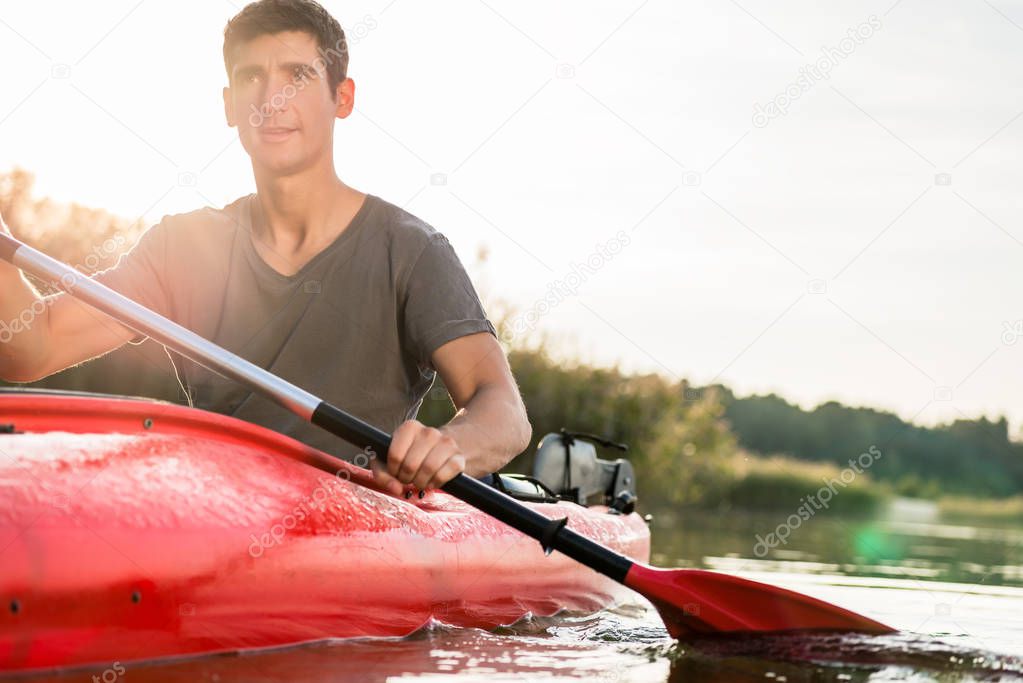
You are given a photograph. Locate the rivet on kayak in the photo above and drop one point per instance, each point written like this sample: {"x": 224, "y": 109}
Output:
{"x": 15, "y": 606}
{"x": 147, "y": 423}
{"x": 136, "y": 597}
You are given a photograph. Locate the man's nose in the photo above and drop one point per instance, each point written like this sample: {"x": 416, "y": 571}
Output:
{"x": 278, "y": 93}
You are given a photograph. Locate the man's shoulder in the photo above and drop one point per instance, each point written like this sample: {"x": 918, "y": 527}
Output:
{"x": 403, "y": 231}
{"x": 208, "y": 220}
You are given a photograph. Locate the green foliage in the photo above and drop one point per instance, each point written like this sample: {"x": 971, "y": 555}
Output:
{"x": 914, "y": 486}
{"x": 968, "y": 457}
{"x": 688, "y": 460}
{"x": 1007, "y": 510}
{"x": 781, "y": 484}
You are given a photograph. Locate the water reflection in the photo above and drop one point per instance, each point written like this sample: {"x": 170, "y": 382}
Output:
{"x": 954, "y": 590}
{"x": 613, "y": 647}
{"x": 905, "y": 543}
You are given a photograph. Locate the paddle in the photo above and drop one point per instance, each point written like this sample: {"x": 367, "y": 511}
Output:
{"x": 690, "y": 601}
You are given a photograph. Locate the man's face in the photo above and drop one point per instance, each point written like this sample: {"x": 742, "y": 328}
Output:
{"x": 280, "y": 100}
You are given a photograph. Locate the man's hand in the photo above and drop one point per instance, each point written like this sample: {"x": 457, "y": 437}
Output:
{"x": 422, "y": 456}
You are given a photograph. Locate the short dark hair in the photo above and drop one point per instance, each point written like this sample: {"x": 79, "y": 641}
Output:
{"x": 266, "y": 17}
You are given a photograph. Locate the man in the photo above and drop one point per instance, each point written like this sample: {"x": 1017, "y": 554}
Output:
{"x": 335, "y": 290}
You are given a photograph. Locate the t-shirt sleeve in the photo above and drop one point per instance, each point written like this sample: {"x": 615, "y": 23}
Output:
{"x": 440, "y": 301}
{"x": 140, "y": 273}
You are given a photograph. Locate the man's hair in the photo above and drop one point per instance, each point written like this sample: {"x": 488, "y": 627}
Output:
{"x": 266, "y": 17}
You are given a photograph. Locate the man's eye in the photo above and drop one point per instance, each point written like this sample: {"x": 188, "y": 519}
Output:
{"x": 302, "y": 73}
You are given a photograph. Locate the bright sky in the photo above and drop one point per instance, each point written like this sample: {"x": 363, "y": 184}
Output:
{"x": 865, "y": 245}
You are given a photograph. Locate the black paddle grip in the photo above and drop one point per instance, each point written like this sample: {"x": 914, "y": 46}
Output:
{"x": 552, "y": 533}
{"x": 352, "y": 429}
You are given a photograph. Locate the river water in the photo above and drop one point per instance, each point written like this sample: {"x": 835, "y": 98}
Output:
{"x": 954, "y": 590}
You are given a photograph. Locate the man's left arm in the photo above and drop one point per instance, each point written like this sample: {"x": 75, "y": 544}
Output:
{"x": 489, "y": 429}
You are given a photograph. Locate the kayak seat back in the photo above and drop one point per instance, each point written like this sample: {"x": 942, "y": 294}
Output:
{"x": 566, "y": 463}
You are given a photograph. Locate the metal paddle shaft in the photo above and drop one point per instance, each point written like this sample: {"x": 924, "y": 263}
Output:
{"x": 689, "y": 601}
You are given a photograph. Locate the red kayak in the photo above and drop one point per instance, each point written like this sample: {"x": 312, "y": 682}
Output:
{"x": 134, "y": 529}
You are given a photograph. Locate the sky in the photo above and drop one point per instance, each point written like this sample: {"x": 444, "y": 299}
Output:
{"x": 819, "y": 200}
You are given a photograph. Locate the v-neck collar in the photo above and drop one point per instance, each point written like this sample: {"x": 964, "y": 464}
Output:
{"x": 346, "y": 236}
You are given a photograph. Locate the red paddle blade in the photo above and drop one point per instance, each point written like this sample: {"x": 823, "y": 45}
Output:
{"x": 693, "y": 601}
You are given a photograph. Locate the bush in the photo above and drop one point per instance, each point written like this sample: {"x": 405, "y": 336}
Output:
{"x": 783, "y": 484}
{"x": 973, "y": 509}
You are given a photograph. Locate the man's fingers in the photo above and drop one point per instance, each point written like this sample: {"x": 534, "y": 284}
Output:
{"x": 451, "y": 468}
{"x": 436, "y": 458}
{"x": 404, "y": 466}
{"x": 402, "y": 438}
{"x": 419, "y": 455}
{"x": 384, "y": 478}
{"x": 442, "y": 449}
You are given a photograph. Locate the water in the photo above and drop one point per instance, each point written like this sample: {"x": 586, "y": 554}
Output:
{"x": 955, "y": 592}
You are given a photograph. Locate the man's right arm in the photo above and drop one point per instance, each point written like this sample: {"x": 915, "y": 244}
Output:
{"x": 43, "y": 335}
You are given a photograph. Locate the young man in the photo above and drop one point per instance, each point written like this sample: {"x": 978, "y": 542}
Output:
{"x": 335, "y": 290}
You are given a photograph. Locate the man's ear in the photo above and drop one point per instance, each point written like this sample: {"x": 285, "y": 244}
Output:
{"x": 345, "y": 98}
{"x": 229, "y": 108}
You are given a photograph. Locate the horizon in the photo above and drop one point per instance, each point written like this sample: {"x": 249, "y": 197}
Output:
{"x": 866, "y": 232}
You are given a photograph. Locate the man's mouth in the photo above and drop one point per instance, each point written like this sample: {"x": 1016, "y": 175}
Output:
{"x": 275, "y": 133}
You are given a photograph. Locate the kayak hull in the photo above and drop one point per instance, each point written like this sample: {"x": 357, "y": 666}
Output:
{"x": 134, "y": 530}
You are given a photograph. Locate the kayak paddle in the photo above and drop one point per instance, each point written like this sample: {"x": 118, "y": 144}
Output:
{"x": 690, "y": 601}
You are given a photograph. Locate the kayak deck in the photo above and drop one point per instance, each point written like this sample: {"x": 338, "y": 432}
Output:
{"x": 136, "y": 530}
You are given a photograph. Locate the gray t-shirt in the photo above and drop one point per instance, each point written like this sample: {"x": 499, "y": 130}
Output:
{"x": 356, "y": 326}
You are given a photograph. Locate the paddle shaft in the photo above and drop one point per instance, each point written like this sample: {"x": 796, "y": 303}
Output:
{"x": 552, "y": 534}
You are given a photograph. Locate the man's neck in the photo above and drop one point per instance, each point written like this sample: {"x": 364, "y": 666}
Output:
{"x": 303, "y": 212}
